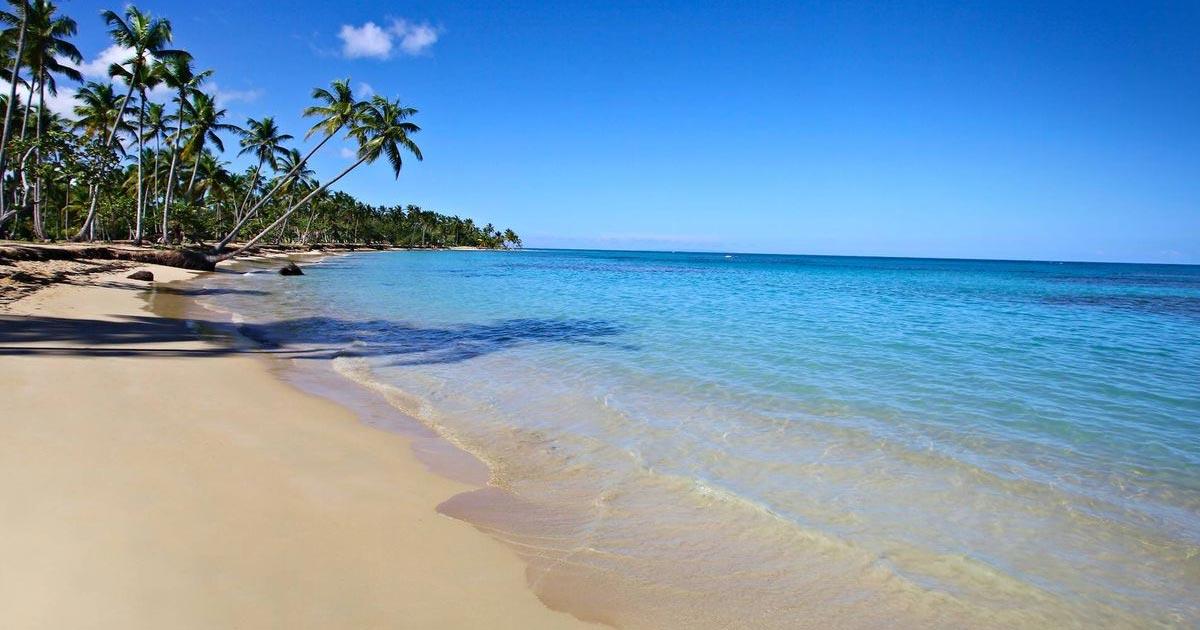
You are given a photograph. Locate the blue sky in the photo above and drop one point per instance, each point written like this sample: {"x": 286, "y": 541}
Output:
{"x": 995, "y": 130}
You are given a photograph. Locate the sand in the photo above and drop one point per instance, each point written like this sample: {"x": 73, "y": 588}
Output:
{"x": 161, "y": 483}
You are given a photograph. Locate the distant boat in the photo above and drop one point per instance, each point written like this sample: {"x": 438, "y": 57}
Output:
{"x": 728, "y": 256}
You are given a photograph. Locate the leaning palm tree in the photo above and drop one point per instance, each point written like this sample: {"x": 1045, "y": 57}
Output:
{"x": 381, "y": 127}
{"x": 177, "y": 73}
{"x": 46, "y": 47}
{"x": 336, "y": 110}
{"x": 265, "y": 141}
{"x": 18, "y": 22}
{"x": 147, "y": 38}
{"x": 204, "y": 124}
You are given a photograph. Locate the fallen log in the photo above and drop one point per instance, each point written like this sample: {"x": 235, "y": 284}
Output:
{"x": 181, "y": 258}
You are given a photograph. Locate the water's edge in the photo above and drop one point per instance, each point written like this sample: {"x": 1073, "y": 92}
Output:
{"x": 653, "y": 545}
{"x": 437, "y": 454}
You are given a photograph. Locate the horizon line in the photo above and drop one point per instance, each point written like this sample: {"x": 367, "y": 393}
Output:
{"x": 880, "y": 256}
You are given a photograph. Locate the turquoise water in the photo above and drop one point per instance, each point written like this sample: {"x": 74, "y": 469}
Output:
{"x": 755, "y": 440}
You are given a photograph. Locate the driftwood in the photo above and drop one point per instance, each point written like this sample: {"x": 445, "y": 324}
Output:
{"x": 181, "y": 258}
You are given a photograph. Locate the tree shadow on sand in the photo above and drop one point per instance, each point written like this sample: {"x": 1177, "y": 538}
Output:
{"x": 307, "y": 338}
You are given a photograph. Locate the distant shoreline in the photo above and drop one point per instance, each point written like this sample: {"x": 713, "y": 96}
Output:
{"x": 717, "y": 252}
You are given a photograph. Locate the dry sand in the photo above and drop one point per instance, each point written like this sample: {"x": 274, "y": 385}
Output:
{"x": 163, "y": 485}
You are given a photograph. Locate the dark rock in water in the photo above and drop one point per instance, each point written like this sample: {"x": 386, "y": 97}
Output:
{"x": 291, "y": 270}
{"x": 142, "y": 275}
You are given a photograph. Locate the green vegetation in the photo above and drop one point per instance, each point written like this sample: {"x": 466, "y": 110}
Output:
{"x": 125, "y": 167}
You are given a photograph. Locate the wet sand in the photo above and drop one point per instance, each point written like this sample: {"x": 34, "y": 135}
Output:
{"x": 151, "y": 479}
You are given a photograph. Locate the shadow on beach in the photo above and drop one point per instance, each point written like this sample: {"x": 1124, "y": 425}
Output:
{"x": 306, "y": 338}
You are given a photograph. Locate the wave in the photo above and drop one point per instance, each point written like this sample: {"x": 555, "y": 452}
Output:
{"x": 972, "y": 587}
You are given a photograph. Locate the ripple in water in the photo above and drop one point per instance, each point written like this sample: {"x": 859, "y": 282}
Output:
{"x": 781, "y": 441}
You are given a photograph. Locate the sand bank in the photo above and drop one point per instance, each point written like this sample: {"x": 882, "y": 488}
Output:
{"x": 152, "y": 480}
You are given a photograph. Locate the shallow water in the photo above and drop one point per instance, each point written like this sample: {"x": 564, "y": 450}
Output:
{"x": 758, "y": 441}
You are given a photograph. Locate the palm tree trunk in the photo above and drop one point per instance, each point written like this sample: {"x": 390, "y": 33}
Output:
{"x": 112, "y": 133}
{"x": 21, "y": 197}
{"x": 8, "y": 108}
{"x": 28, "y": 108}
{"x": 171, "y": 171}
{"x": 242, "y": 222}
{"x": 87, "y": 227}
{"x": 137, "y": 239}
{"x": 24, "y": 176}
{"x": 154, "y": 175}
{"x": 66, "y": 223}
{"x": 195, "y": 169}
{"x": 288, "y": 213}
{"x": 250, "y": 189}
{"x": 38, "y": 228}
{"x": 308, "y": 227}
{"x": 283, "y": 228}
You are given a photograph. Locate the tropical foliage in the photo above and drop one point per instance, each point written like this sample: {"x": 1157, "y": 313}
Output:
{"x": 125, "y": 167}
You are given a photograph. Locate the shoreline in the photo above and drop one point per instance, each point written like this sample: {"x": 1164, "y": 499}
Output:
{"x": 251, "y": 503}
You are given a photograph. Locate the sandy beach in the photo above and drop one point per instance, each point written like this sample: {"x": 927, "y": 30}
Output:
{"x": 152, "y": 480}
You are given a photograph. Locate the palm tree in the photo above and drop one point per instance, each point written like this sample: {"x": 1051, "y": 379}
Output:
{"x": 314, "y": 206}
{"x": 155, "y": 127}
{"x": 20, "y": 24}
{"x": 177, "y": 73}
{"x": 214, "y": 182}
{"x": 264, "y": 140}
{"x": 336, "y": 109}
{"x": 204, "y": 124}
{"x": 511, "y": 237}
{"x": 147, "y": 37}
{"x": 140, "y": 77}
{"x": 45, "y": 44}
{"x": 100, "y": 110}
{"x": 381, "y": 127}
{"x": 298, "y": 176}
{"x": 213, "y": 175}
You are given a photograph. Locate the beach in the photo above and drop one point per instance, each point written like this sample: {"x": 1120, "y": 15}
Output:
{"x": 558, "y": 438}
{"x": 151, "y": 479}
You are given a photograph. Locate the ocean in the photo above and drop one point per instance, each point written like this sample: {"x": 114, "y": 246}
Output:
{"x": 741, "y": 440}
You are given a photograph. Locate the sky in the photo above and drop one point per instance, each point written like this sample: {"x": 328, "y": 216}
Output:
{"x": 1051, "y": 131}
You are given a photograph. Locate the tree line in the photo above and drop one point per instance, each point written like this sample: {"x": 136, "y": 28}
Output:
{"x": 124, "y": 167}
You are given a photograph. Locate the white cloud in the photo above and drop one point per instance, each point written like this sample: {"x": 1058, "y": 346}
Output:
{"x": 60, "y": 104}
{"x": 372, "y": 40}
{"x": 159, "y": 93}
{"x": 225, "y": 97}
{"x": 64, "y": 102}
{"x": 367, "y": 40}
{"x": 347, "y": 153}
{"x": 415, "y": 39}
{"x": 98, "y": 68}
{"x": 364, "y": 90}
